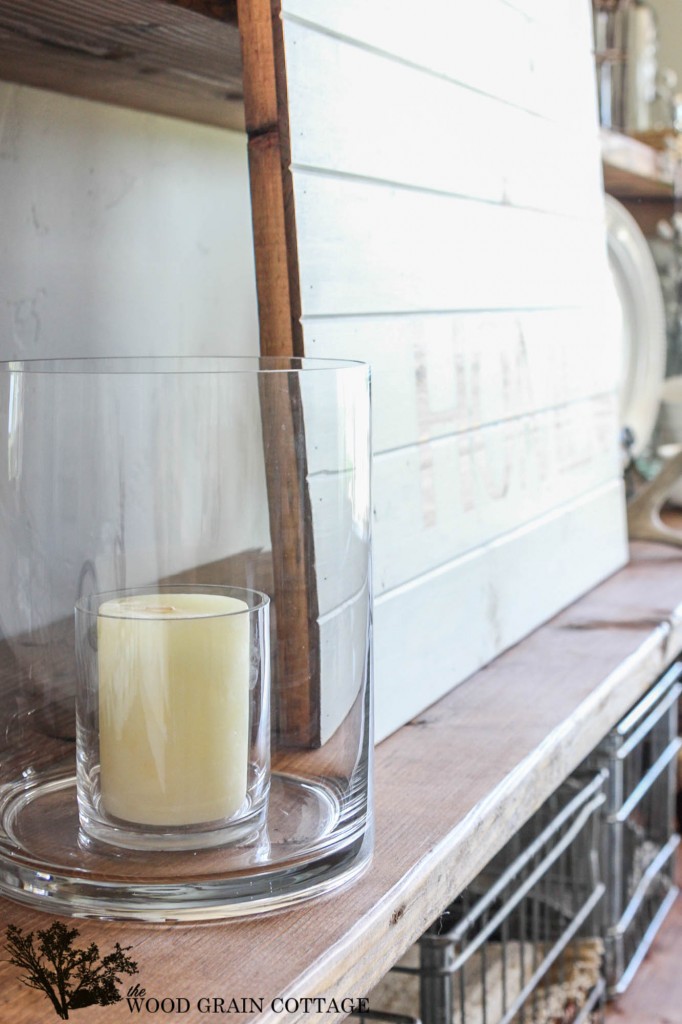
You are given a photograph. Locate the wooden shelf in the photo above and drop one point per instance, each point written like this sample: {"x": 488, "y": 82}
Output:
{"x": 179, "y": 59}
{"x": 451, "y": 788}
{"x": 633, "y": 169}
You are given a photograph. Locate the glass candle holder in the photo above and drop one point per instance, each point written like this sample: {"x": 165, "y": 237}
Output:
{"x": 172, "y": 716}
{"x": 140, "y": 473}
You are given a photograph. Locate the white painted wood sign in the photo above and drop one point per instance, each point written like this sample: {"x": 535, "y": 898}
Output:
{"x": 435, "y": 173}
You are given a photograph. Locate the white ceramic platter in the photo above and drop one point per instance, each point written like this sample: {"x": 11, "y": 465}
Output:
{"x": 643, "y": 323}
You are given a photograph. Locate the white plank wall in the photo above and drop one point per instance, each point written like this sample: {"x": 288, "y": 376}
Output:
{"x": 449, "y": 228}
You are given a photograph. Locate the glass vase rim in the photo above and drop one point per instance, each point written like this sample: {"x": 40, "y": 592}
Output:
{"x": 178, "y": 365}
{"x": 255, "y": 600}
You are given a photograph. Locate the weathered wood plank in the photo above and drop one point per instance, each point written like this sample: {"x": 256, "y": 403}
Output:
{"x": 296, "y": 702}
{"x": 456, "y": 494}
{"x": 433, "y": 375}
{"x": 368, "y": 248}
{"x": 297, "y": 705}
{"x": 222, "y": 10}
{"x": 462, "y": 614}
{"x": 493, "y": 47}
{"x": 145, "y": 54}
{"x": 274, "y": 222}
{"x": 448, "y": 39}
{"x": 524, "y": 160}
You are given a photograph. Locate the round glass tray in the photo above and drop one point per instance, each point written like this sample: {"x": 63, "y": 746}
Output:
{"x": 300, "y": 852}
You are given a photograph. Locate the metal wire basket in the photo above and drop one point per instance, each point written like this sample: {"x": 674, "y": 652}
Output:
{"x": 640, "y": 754}
{"x": 522, "y": 943}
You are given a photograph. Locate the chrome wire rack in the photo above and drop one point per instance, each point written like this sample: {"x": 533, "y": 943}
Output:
{"x": 521, "y": 945}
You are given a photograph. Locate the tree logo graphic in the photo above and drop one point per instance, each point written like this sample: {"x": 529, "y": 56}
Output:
{"x": 70, "y": 978}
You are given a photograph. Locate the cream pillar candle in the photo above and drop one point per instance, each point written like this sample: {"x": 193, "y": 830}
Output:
{"x": 173, "y": 707}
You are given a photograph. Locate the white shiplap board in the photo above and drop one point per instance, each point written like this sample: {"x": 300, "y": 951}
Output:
{"x": 443, "y": 169}
{"x": 489, "y": 46}
{"x": 433, "y": 632}
{"x": 457, "y": 494}
{"x": 368, "y": 247}
{"x": 519, "y": 158}
{"x": 438, "y": 374}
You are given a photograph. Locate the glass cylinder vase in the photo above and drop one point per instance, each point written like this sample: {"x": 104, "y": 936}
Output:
{"x": 170, "y": 479}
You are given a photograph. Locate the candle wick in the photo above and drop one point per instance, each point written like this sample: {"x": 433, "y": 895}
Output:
{"x": 162, "y": 608}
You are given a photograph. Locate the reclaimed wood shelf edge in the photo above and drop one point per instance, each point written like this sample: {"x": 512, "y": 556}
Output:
{"x": 633, "y": 169}
{"x": 178, "y": 58}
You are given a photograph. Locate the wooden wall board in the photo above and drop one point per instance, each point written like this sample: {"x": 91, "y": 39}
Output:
{"x": 222, "y": 10}
{"x": 365, "y": 247}
{"x": 296, "y": 653}
{"x": 439, "y": 374}
{"x": 458, "y": 42}
{"x": 442, "y": 626}
{"x": 298, "y": 643}
{"x": 416, "y": 138}
{"x": 456, "y": 494}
